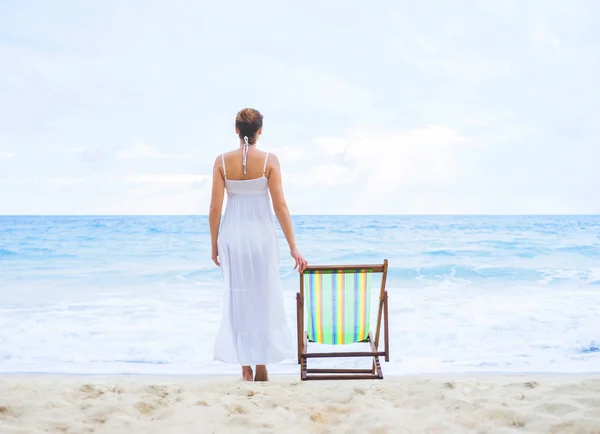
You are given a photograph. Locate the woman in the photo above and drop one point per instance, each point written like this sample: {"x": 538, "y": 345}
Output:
{"x": 254, "y": 330}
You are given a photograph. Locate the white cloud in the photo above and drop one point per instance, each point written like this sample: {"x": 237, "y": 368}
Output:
{"x": 287, "y": 154}
{"x": 324, "y": 175}
{"x": 136, "y": 151}
{"x": 57, "y": 182}
{"x": 477, "y": 119}
{"x": 382, "y": 167}
{"x": 415, "y": 155}
{"x": 475, "y": 69}
{"x": 331, "y": 145}
{"x": 315, "y": 88}
{"x": 163, "y": 179}
{"x": 65, "y": 182}
{"x": 99, "y": 155}
{"x": 29, "y": 181}
{"x": 543, "y": 38}
{"x": 432, "y": 57}
{"x": 6, "y": 155}
{"x": 144, "y": 151}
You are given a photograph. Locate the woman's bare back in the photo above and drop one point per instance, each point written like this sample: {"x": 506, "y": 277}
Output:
{"x": 255, "y": 163}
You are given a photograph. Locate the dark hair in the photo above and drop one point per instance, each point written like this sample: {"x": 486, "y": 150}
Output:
{"x": 248, "y": 121}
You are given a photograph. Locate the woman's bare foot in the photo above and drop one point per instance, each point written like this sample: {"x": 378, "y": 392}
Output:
{"x": 261, "y": 373}
{"x": 247, "y": 373}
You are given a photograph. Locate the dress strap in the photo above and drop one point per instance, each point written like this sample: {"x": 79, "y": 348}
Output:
{"x": 224, "y": 170}
{"x": 265, "y": 166}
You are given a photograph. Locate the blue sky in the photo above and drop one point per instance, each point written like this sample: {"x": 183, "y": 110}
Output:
{"x": 383, "y": 107}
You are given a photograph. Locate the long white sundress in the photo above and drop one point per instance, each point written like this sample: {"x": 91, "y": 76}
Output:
{"x": 254, "y": 329}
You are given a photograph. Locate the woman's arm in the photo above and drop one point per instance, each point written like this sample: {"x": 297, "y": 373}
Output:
{"x": 282, "y": 211}
{"x": 216, "y": 206}
{"x": 279, "y": 204}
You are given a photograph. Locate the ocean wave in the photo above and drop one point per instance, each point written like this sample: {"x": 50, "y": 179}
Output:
{"x": 35, "y": 252}
{"x": 343, "y": 231}
{"x": 465, "y": 273}
{"x": 202, "y": 273}
{"x": 593, "y": 347}
{"x": 5, "y": 252}
{"x": 458, "y": 253}
{"x": 590, "y": 251}
{"x": 441, "y": 253}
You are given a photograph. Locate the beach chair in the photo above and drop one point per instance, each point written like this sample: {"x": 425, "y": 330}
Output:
{"x": 337, "y": 303}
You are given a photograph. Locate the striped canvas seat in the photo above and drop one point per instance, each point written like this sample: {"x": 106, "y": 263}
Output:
{"x": 338, "y": 305}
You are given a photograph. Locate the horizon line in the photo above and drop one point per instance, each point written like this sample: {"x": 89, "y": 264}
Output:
{"x": 327, "y": 215}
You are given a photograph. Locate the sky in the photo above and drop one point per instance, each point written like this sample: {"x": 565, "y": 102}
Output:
{"x": 378, "y": 107}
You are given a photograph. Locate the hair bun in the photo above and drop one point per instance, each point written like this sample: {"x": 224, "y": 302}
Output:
{"x": 248, "y": 121}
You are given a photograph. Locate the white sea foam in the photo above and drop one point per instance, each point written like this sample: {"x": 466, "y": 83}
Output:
{"x": 172, "y": 332}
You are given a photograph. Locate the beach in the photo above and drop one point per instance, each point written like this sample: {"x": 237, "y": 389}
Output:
{"x": 108, "y": 324}
{"x": 441, "y": 403}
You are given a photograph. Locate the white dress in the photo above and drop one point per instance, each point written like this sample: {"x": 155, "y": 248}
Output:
{"x": 254, "y": 329}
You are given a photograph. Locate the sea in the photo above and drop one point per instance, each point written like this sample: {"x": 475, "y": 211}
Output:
{"x": 140, "y": 294}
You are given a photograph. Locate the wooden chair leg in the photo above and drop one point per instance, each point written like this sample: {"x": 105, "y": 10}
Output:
{"x": 376, "y": 364}
{"x": 304, "y": 362}
{"x": 386, "y": 328}
{"x": 298, "y": 326}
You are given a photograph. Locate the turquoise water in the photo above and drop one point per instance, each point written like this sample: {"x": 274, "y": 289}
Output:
{"x": 141, "y": 295}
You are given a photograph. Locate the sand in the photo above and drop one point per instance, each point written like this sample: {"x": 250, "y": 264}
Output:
{"x": 450, "y": 403}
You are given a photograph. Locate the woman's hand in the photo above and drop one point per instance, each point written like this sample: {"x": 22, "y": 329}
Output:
{"x": 301, "y": 263}
{"x": 215, "y": 255}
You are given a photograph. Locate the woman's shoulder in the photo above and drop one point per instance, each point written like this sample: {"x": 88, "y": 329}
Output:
{"x": 273, "y": 157}
{"x": 223, "y": 155}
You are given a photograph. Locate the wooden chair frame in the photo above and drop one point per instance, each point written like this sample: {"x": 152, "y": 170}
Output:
{"x": 375, "y": 372}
